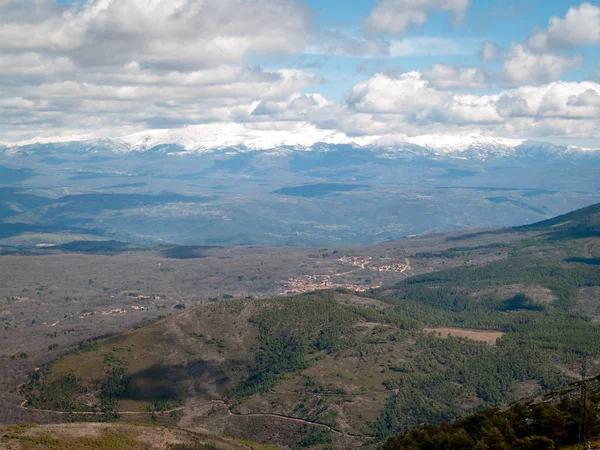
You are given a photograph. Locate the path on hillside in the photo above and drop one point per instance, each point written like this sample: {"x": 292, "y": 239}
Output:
{"x": 298, "y": 420}
{"x": 230, "y": 413}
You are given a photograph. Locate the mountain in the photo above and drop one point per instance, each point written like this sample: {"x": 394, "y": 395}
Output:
{"x": 562, "y": 419}
{"x": 239, "y": 138}
{"x": 231, "y": 185}
{"x": 581, "y": 223}
{"x": 509, "y": 320}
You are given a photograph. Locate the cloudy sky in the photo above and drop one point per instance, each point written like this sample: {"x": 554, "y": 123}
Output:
{"x": 516, "y": 69}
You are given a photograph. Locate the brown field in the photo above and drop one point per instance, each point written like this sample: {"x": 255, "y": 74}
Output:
{"x": 122, "y": 436}
{"x": 489, "y": 337}
{"x": 589, "y": 302}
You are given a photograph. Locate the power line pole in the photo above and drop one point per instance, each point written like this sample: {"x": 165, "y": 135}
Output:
{"x": 583, "y": 441}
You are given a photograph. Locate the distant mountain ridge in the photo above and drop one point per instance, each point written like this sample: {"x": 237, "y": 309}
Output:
{"x": 302, "y": 187}
{"x": 238, "y": 139}
{"x": 584, "y": 222}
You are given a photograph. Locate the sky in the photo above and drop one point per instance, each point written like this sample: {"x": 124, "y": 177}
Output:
{"x": 394, "y": 69}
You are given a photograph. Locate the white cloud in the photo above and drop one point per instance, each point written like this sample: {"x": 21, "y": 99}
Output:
{"x": 524, "y": 67}
{"x": 581, "y": 26}
{"x": 340, "y": 44}
{"x": 589, "y": 97}
{"x": 411, "y": 98}
{"x": 104, "y": 66}
{"x": 299, "y": 103}
{"x": 433, "y": 46}
{"x": 16, "y": 103}
{"x": 490, "y": 51}
{"x": 394, "y": 17}
{"x": 408, "y": 93}
{"x": 557, "y": 100}
{"x": 447, "y": 77}
{"x": 25, "y": 64}
{"x": 133, "y": 98}
{"x": 409, "y": 104}
{"x": 468, "y": 110}
{"x": 161, "y": 32}
{"x": 112, "y": 67}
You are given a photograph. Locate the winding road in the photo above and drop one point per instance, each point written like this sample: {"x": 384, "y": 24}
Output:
{"x": 230, "y": 413}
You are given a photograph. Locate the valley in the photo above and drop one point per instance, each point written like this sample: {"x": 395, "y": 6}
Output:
{"x": 468, "y": 320}
{"x": 323, "y": 195}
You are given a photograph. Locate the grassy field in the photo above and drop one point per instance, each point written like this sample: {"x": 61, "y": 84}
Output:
{"x": 97, "y": 436}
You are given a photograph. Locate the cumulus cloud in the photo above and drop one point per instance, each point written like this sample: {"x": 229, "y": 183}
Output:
{"x": 137, "y": 98}
{"x": 410, "y": 104}
{"x": 490, "y": 51}
{"x": 447, "y": 77}
{"x": 588, "y": 98}
{"x": 522, "y": 66}
{"x": 554, "y": 100}
{"x": 299, "y": 108}
{"x": 394, "y": 17}
{"x": 580, "y": 26}
{"x": 112, "y": 67}
{"x": 161, "y": 32}
{"x": 106, "y": 65}
{"x": 29, "y": 64}
{"x": 414, "y": 100}
{"x": 406, "y": 94}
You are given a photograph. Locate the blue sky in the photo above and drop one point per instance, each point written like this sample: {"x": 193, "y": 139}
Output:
{"x": 380, "y": 69}
{"x": 502, "y": 22}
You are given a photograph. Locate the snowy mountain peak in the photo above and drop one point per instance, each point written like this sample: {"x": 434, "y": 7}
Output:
{"x": 456, "y": 144}
{"x": 204, "y": 138}
{"x": 300, "y": 137}
{"x": 49, "y": 140}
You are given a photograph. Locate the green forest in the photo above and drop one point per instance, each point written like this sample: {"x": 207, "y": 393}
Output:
{"x": 566, "y": 419}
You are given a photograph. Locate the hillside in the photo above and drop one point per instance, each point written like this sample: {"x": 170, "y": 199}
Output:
{"x": 93, "y": 436}
{"x": 581, "y": 217}
{"x": 334, "y": 367}
{"x": 562, "y": 419}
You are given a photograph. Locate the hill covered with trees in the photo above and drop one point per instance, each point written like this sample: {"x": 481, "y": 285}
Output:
{"x": 563, "y": 419}
{"x": 345, "y": 369}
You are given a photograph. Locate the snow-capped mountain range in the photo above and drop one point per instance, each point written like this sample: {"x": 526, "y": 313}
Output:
{"x": 238, "y": 138}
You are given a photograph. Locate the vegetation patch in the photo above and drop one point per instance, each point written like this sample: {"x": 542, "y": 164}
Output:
{"x": 489, "y": 337}
{"x": 569, "y": 420}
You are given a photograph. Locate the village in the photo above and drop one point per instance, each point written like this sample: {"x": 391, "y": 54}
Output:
{"x": 311, "y": 283}
{"x": 366, "y": 262}
{"x": 109, "y": 312}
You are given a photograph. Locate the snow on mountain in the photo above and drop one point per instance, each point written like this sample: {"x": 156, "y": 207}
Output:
{"x": 471, "y": 143}
{"x": 48, "y": 140}
{"x": 300, "y": 137}
{"x": 204, "y": 138}
{"x": 64, "y": 145}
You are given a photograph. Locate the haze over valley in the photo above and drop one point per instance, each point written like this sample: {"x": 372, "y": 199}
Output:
{"x": 323, "y": 194}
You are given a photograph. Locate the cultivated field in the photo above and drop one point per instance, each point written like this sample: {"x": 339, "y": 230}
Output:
{"x": 489, "y": 337}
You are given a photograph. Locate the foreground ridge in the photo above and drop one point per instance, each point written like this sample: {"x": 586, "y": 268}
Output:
{"x": 556, "y": 420}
